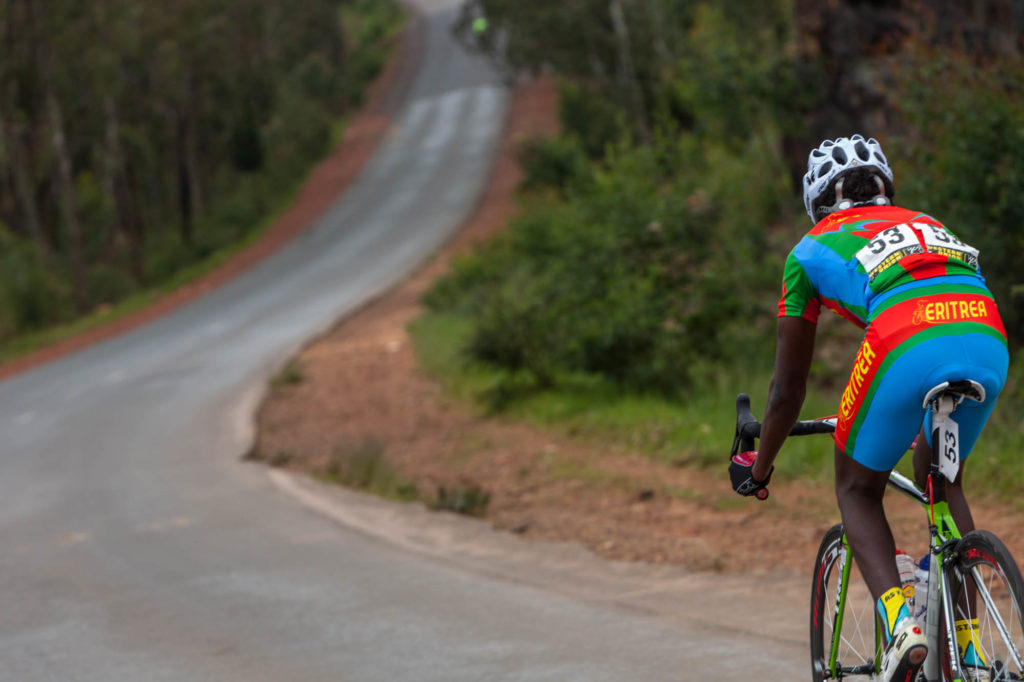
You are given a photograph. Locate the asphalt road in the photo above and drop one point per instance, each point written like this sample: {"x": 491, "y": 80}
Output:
{"x": 135, "y": 545}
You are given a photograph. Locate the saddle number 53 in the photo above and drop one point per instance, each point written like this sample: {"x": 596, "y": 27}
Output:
{"x": 949, "y": 462}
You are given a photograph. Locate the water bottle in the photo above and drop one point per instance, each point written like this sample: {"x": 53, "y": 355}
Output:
{"x": 921, "y": 589}
{"x": 907, "y": 568}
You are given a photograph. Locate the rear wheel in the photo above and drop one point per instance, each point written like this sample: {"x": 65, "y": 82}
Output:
{"x": 841, "y": 614}
{"x": 985, "y": 566}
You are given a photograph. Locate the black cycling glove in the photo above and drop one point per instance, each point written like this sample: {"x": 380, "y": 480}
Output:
{"x": 741, "y": 472}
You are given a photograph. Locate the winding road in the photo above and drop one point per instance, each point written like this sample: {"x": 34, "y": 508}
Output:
{"x": 135, "y": 545}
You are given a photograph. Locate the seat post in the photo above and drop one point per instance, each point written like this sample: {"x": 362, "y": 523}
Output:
{"x": 942, "y": 404}
{"x": 942, "y": 400}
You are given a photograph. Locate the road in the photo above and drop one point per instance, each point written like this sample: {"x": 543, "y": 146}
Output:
{"x": 136, "y": 545}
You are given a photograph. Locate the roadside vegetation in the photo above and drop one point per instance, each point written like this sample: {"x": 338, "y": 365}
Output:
{"x": 634, "y": 295}
{"x": 140, "y": 147}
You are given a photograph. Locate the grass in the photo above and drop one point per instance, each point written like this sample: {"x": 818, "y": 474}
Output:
{"x": 462, "y": 498}
{"x": 289, "y": 375}
{"x": 362, "y": 466}
{"x": 696, "y": 431}
{"x": 571, "y": 469}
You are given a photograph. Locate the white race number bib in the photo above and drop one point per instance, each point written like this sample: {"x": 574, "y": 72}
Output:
{"x": 887, "y": 248}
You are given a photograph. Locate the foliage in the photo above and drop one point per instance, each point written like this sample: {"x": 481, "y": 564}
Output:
{"x": 462, "y": 498}
{"x": 648, "y": 271}
{"x": 289, "y": 375}
{"x": 963, "y": 163}
{"x": 647, "y": 253}
{"x": 694, "y": 429}
{"x": 363, "y": 466}
{"x": 135, "y": 142}
{"x": 556, "y": 163}
{"x": 644, "y": 250}
{"x": 31, "y": 295}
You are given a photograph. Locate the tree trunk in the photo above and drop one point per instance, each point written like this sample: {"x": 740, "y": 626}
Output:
{"x": 626, "y": 71}
{"x": 192, "y": 159}
{"x": 68, "y": 204}
{"x": 128, "y": 222}
{"x": 656, "y": 11}
{"x": 10, "y": 147}
{"x": 184, "y": 184}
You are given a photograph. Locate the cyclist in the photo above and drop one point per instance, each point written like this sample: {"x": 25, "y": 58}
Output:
{"x": 916, "y": 290}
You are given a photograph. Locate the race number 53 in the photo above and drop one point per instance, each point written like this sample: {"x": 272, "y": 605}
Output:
{"x": 949, "y": 462}
{"x": 887, "y": 248}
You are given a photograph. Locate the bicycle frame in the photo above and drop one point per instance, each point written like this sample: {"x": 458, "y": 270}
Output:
{"x": 944, "y": 536}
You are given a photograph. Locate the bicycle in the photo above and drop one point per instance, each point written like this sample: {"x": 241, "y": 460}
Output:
{"x": 976, "y": 575}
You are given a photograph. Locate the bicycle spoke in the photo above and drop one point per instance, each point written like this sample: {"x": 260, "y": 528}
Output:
{"x": 852, "y": 635}
{"x": 996, "y": 622}
{"x": 993, "y": 597}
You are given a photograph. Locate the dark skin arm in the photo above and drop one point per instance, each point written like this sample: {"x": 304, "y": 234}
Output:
{"x": 793, "y": 354}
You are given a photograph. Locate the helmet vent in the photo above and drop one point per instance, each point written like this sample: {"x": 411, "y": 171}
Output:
{"x": 831, "y": 159}
{"x": 862, "y": 151}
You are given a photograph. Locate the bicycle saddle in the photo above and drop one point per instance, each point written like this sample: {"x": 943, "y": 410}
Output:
{"x": 967, "y": 389}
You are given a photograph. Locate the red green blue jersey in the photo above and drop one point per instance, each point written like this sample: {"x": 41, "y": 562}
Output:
{"x": 928, "y": 315}
{"x": 853, "y": 258}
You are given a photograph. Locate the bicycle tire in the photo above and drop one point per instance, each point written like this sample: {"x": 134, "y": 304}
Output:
{"x": 857, "y": 654}
{"x": 984, "y": 560}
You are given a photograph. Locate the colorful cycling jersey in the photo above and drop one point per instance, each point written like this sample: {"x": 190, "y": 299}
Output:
{"x": 853, "y": 259}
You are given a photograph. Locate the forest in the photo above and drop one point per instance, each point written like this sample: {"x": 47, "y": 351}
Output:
{"x": 650, "y": 247}
{"x": 138, "y": 139}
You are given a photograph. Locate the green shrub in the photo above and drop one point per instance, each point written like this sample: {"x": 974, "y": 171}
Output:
{"x": 32, "y": 294}
{"x": 649, "y": 271}
{"x": 462, "y": 498}
{"x": 557, "y": 163}
{"x": 363, "y": 466}
{"x": 109, "y": 284}
{"x": 963, "y": 162}
{"x": 289, "y": 375}
{"x": 590, "y": 118}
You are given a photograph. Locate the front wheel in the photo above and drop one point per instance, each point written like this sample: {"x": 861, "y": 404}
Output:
{"x": 995, "y": 597}
{"x": 845, "y": 641}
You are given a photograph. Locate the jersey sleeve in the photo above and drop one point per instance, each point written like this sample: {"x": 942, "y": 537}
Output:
{"x": 799, "y": 295}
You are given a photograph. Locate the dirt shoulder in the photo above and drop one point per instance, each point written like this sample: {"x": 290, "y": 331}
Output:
{"x": 360, "y": 385}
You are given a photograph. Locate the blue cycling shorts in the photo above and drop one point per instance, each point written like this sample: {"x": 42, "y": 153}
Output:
{"x": 900, "y": 360}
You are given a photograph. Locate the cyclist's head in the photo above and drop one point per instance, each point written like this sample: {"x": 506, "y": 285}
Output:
{"x": 846, "y": 172}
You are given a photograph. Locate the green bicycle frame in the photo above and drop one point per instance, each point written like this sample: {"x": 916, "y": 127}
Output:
{"x": 943, "y": 531}
{"x": 837, "y": 628}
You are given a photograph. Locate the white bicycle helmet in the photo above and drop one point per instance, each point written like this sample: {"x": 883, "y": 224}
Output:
{"x": 833, "y": 157}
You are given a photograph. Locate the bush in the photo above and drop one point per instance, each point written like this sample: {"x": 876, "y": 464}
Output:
{"x": 363, "y": 466}
{"x": 462, "y": 498}
{"x": 636, "y": 277}
{"x": 589, "y": 118}
{"x": 963, "y": 164}
{"x": 557, "y": 163}
{"x": 32, "y": 295}
{"x": 109, "y": 284}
